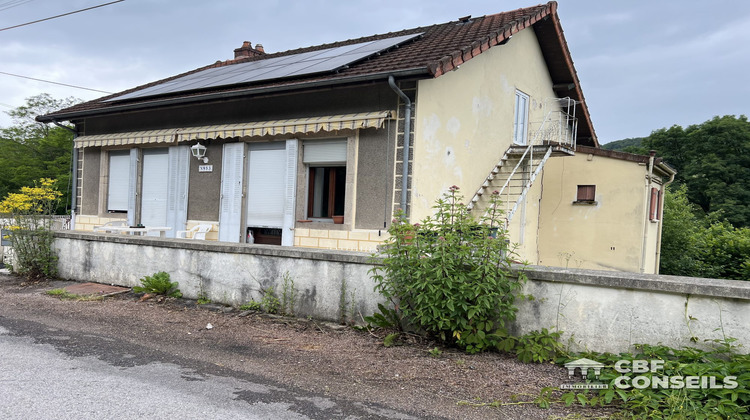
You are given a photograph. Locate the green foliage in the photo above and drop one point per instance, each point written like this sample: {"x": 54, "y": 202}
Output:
{"x": 29, "y": 223}
{"x": 629, "y": 145}
{"x": 435, "y": 352}
{"x": 449, "y": 276}
{"x": 159, "y": 284}
{"x": 673, "y": 403}
{"x": 385, "y": 318}
{"x": 391, "y": 339}
{"x": 288, "y": 295}
{"x": 536, "y": 346}
{"x": 694, "y": 244}
{"x": 33, "y": 150}
{"x": 251, "y": 306}
{"x": 713, "y": 161}
{"x": 269, "y": 302}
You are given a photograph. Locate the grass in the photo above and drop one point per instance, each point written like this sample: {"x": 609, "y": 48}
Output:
{"x": 64, "y": 294}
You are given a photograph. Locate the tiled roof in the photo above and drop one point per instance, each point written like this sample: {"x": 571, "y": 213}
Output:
{"x": 440, "y": 49}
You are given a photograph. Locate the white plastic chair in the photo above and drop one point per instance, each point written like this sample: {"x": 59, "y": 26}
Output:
{"x": 197, "y": 232}
{"x": 115, "y": 223}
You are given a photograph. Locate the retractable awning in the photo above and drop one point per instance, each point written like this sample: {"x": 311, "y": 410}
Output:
{"x": 250, "y": 129}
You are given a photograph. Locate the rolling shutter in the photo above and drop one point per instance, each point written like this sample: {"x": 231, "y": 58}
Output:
{"x": 154, "y": 191}
{"x": 266, "y": 186}
{"x": 119, "y": 179}
{"x": 132, "y": 186}
{"x": 324, "y": 152}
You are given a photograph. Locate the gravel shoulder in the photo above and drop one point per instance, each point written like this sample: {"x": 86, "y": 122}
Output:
{"x": 316, "y": 357}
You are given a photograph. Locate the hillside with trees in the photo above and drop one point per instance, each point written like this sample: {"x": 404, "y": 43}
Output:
{"x": 707, "y": 210}
{"x": 32, "y": 150}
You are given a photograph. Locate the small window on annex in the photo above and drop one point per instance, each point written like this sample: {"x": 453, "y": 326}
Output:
{"x": 325, "y": 162}
{"x": 119, "y": 178}
{"x": 586, "y": 194}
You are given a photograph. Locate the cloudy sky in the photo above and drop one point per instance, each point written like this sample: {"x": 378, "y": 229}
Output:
{"x": 643, "y": 65}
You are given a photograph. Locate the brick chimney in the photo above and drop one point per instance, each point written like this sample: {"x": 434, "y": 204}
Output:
{"x": 247, "y": 50}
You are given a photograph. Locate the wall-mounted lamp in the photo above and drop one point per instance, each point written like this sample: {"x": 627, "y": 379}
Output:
{"x": 199, "y": 151}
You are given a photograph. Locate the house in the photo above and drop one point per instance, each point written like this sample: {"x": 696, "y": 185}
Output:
{"x": 318, "y": 146}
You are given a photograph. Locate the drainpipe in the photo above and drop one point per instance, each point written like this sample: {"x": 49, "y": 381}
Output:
{"x": 647, "y": 219}
{"x": 661, "y": 223}
{"x": 407, "y": 130}
{"x": 74, "y": 176}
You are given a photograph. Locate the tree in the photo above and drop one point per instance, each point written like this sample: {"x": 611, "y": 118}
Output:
{"x": 33, "y": 150}
{"x": 713, "y": 160}
{"x": 697, "y": 245}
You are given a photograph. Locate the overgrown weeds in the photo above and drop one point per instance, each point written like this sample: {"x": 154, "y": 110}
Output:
{"x": 449, "y": 276}
{"x": 159, "y": 284}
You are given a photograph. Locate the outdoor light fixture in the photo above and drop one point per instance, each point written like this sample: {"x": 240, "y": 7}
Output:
{"x": 199, "y": 151}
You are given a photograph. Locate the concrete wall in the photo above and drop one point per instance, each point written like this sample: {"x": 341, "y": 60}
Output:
{"x": 596, "y": 310}
{"x": 228, "y": 273}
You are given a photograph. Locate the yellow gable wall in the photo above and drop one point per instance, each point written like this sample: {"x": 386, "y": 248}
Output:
{"x": 607, "y": 235}
{"x": 464, "y": 124}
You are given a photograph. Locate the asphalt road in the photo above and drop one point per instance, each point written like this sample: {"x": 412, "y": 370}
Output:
{"x": 52, "y": 373}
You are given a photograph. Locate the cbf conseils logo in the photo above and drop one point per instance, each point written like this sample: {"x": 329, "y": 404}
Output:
{"x": 640, "y": 374}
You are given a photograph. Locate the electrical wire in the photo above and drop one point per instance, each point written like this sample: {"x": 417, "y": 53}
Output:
{"x": 64, "y": 14}
{"x": 11, "y": 4}
{"x": 55, "y": 83}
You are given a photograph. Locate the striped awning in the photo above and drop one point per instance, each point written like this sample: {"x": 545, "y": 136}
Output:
{"x": 250, "y": 129}
{"x": 134, "y": 137}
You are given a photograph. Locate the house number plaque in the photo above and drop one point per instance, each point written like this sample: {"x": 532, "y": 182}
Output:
{"x": 205, "y": 168}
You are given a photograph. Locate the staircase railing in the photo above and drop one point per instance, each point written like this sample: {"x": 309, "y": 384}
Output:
{"x": 559, "y": 126}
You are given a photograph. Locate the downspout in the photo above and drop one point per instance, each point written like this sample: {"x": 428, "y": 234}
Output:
{"x": 407, "y": 130}
{"x": 661, "y": 223}
{"x": 647, "y": 219}
{"x": 74, "y": 176}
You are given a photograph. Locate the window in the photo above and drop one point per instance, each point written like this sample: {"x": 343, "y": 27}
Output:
{"x": 119, "y": 181}
{"x": 586, "y": 194}
{"x": 326, "y": 163}
{"x": 521, "y": 118}
{"x": 654, "y": 213}
{"x": 326, "y": 192}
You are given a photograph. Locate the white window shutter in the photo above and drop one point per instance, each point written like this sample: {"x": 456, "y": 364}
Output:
{"x": 287, "y": 232}
{"x": 230, "y": 212}
{"x": 132, "y": 186}
{"x": 266, "y": 187}
{"x": 119, "y": 177}
{"x": 324, "y": 152}
{"x": 179, "y": 165}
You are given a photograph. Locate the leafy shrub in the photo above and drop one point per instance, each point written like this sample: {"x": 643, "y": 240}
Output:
{"x": 449, "y": 276}
{"x": 270, "y": 303}
{"x": 159, "y": 284}
{"x": 536, "y": 346}
{"x": 30, "y": 224}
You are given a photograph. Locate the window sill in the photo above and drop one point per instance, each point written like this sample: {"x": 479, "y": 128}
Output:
{"x": 585, "y": 203}
{"x": 326, "y": 224}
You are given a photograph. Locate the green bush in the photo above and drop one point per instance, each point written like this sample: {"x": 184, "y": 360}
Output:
{"x": 449, "y": 276}
{"x": 159, "y": 284}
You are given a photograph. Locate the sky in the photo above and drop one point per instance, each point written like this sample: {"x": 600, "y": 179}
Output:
{"x": 643, "y": 65}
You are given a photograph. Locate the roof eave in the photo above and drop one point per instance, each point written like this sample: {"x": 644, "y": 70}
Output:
{"x": 250, "y": 91}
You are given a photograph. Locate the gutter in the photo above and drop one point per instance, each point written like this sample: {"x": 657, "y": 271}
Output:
{"x": 420, "y": 71}
{"x": 73, "y": 177}
{"x": 407, "y": 141}
{"x": 647, "y": 219}
{"x": 661, "y": 222}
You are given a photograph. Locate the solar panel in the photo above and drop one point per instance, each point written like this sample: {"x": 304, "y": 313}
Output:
{"x": 312, "y": 62}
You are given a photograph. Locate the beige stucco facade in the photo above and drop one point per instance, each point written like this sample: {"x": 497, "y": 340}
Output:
{"x": 464, "y": 124}
{"x": 615, "y": 232}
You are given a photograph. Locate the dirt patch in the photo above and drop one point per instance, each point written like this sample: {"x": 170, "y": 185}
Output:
{"x": 339, "y": 362}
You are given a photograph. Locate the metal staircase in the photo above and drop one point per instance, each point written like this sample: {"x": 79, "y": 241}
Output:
{"x": 514, "y": 174}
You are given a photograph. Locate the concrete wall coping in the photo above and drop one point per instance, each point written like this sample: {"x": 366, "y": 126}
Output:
{"x": 730, "y": 289}
{"x": 226, "y": 247}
